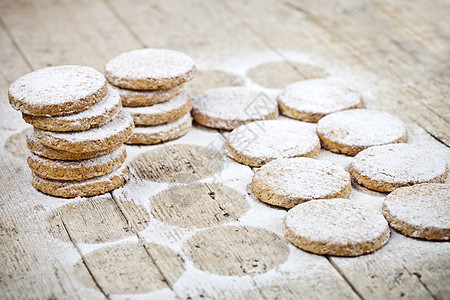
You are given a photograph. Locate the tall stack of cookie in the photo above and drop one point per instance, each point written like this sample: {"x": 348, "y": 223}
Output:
{"x": 79, "y": 130}
{"x": 149, "y": 82}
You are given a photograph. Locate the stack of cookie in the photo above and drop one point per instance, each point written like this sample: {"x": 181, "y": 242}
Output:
{"x": 149, "y": 82}
{"x": 79, "y": 130}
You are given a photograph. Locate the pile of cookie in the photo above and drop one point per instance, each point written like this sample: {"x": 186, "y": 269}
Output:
{"x": 150, "y": 84}
{"x": 78, "y": 132}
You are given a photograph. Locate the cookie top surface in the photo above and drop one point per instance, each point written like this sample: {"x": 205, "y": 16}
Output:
{"x": 150, "y": 69}
{"x": 338, "y": 221}
{"x": 175, "y": 103}
{"x": 301, "y": 177}
{"x": 274, "y": 139}
{"x": 57, "y": 90}
{"x": 163, "y": 128}
{"x": 361, "y": 127}
{"x": 399, "y": 163}
{"x": 234, "y": 103}
{"x": 422, "y": 205}
{"x": 319, "y": 96}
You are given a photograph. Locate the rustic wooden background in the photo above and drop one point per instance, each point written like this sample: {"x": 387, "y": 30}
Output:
{"x": 186, "y": 224}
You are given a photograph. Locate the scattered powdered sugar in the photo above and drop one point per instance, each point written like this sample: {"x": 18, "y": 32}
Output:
{"x": 163, "y": 127}
{"x": 274, "y": 139}
{"x": 335, "y": 221}
{"x": 57, "y": 85}
{"x": 303, "y": 177}
{"x": 424, "y": 205}
{"x": 319, "y": 96}
{"x": 399, "y": 163}
{"x": 150, "y": 63}
{"x": 116, "y": 126}
{"x": 234, "y": 103}
{"x": 175, "y": 103}
{"x": 361, "y": 127}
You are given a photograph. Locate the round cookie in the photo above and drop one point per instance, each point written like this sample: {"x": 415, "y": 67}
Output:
{"x": 57, "y": 91}
{"x": 259, "y": 142}
{"x": 150, "y": 135}
{"x": 230, "y": 107}
{"x": 420, "y": 211}
{"x": 386, "y": 168}
{"x": 137, "y": 98}
{"x": 150, "y": 69}
{"x": 161, "y": 113}
{"x": 337, "y": 227}
{"x": 81, "y": 188}
{"x": 287, "y": 182}
{"x": 107, "y": 136}
{"x": 311, "y": 100}
{"x": 40, "y": 149}
{"x": 77, "y": 169}
{"x": 100, "y": 113}
{"x": 352, "y": 131}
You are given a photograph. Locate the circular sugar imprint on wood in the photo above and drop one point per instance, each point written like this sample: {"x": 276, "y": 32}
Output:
{"x": 209, "y": 79}
{"x": 178, "y": 163}
{"x": 96, "y": 220}
{"x": 16, "y": 144}
{"x": 130, "y": 268}
{"x": 198, "y": 205}
{"x": 279, "y": 74}
{"x": 236, "y": 250}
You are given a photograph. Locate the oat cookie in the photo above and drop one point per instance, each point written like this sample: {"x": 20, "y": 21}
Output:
{"x": 57, "y": 91}
{"x": 352, "y": 131}
{"x": 100, "y": 113}
{"x": 230, "y": 107}
{"x": 311, "y": 100}
{"x": 137, "y": 98}
{"x": 386, "y": 168}
{"x": 337, "y": 227}
{"x": 161, "y": 113}
{"x": 77, "y": 169}
{"x": 420, "y": 211}
{"x": 150, "y": 69}
{"x": 287, "y": 182}
{"x": 149, "y": 135}
{"x": 81, "y": 188}
{"x": 259, "y": 142}
{"x": 107, "y": 136}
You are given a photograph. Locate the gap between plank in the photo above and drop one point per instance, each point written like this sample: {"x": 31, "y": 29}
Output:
{"x": 418, "y": 276}
{"x": 345, "y": 277}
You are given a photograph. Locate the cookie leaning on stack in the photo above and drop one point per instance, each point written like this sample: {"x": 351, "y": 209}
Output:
{"x": 79, "y": 129}
{"x": 149, "y": 82}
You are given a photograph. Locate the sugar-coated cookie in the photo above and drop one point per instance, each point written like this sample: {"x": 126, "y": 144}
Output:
{"x": 100, "y": 113}
{"x": 259, "y": 142}
{"x": 386, "y": 168}
{"x": 161, "y": 113}
{"x": 230, "y": 107}
{"x": 150, "y": 69}
{"x": 57, "y": 91}
{"x": 337, "y": 227}
{"x": 77, "y": 169}
{"x": 81, "y": 188}
{"x": 287, "y": 182}
{"x": 107, "y": 136}
{"x": 311, "y": 100}
{"x": 137, "y": 98}
{"x": 149, "y": 135}
{"x": 352, "y": 131}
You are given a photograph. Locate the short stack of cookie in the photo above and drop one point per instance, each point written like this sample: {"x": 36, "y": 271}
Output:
{"x": 149, "y": 82}
{"x": 78, "y": 131}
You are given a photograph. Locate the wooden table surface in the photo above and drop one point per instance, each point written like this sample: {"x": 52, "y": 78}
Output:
{"x": 186, "y": 224}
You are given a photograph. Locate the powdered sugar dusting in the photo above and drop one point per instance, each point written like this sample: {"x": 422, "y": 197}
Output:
{"x": 319, "y": 96}
{"x": 175, "y": 103}
{"x": 399, "y": 163}
{"x": 274, "y": 139}
{"x": 335, "y": 221}
{"x": 424, "y": 205}
{"x": 303, "y": 177}
{"x": 163, "y": 127}
{"x": 361, "y": 127}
